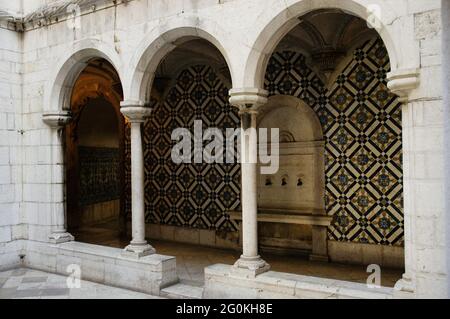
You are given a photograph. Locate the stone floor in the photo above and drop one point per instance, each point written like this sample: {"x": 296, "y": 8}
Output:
{"x": 192, "y": 259}
{"x": 25, "y": 283}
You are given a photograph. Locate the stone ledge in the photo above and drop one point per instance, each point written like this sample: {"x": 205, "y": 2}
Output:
{"x": 220, "y": 284}
{"x": 366, "y": 254}
{"x": 104, "y": 265}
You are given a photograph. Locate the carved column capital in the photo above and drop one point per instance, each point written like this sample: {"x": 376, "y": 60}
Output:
{"x": 135, "y": 112}
{"x": 58, "y": 119}
{"x": 402, "y": 82}
{"x": 248, "y": 100}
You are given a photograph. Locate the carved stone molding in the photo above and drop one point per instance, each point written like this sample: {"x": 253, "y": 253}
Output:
{"x": 135, "y": 112}
{"x": 248, "y": 99}
{"x": 57, "y": 120}
{"x": 11, "y": 21}
{"x": 402, "y": 82}
{"x": 54, "y": 12}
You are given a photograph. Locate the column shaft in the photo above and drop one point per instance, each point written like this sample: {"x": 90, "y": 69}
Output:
{"x": 250, "y": 260}
{"x": 59, "y": 216}
{"x": 249, "y": 186}
{"x": 137, "y": 186}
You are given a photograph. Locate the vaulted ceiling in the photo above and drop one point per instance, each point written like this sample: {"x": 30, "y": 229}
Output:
{"x": 326, "y": 36}
{"x": 99, "y": 78}
{"x": 328, "y": 30}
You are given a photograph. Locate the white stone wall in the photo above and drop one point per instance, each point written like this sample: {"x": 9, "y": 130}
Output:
{"x": 135, "y": 36}
{"x": 423, "y": 124}
{"x": 43, "y": 191}
{"x": 12, "y": 6}
{"x": 11, "y": 221}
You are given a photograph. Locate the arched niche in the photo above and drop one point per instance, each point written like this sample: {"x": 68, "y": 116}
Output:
{"x": 299, "y": 183}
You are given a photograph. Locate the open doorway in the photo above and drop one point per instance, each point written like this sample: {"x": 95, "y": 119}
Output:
{"x": 95, "y": 156}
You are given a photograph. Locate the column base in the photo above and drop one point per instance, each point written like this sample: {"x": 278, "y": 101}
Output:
{"x": 59, "y": 238}
{"x": 250, "y": 267}
{"x": 138, "y": 251}
{"x": 405, "y": 285}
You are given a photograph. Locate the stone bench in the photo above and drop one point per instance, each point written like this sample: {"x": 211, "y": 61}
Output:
{"x": 317, "y": 219}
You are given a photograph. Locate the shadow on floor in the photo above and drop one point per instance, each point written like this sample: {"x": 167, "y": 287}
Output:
{"x": 192, "y": 259}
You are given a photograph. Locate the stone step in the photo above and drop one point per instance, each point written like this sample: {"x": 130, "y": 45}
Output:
{"x": 182, "y": 291}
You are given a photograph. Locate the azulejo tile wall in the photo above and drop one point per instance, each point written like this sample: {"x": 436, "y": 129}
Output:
{"x": 190, "y": 195}
{"x": 361, "y": 121}
{"x": 127, "y": 166}
{"x": 99, "y": 175}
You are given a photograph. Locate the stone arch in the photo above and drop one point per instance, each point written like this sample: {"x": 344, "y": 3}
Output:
{"x": 160, "y": 42}
{"x": 58, "y": 91}
{"x": 276, "y": 27}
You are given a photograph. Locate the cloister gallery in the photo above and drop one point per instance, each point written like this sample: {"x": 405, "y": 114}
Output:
{"x": 354, "y": 107}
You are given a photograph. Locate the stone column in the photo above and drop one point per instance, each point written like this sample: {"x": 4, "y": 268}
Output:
{"x": 57, "y": 121}
{"x": 248, "y": 101}
{"x": 136, "y": 115}
{"x": 445, "y": 14}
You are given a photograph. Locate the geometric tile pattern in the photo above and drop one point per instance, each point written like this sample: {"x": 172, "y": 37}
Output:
{"x": 127, "y": 167}
{"x": 190, "y": 195}
{"x": 361, "y": 121}
{"x": 99, "y": 175}
{"x": 127, "y": 173}
{"x": 362, "y": 126}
